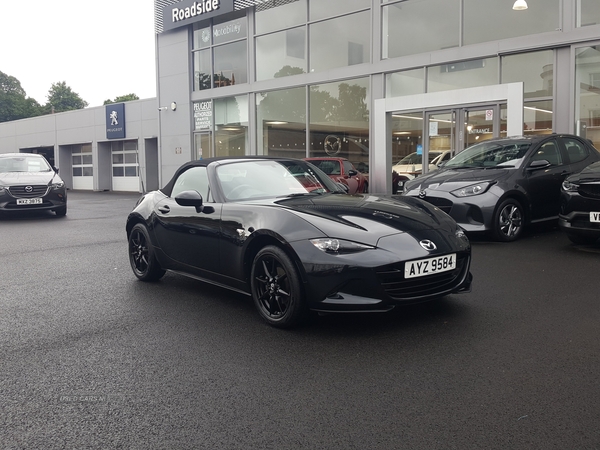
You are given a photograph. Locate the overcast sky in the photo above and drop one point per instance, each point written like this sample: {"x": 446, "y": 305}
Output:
{"x": 101, "y": 50}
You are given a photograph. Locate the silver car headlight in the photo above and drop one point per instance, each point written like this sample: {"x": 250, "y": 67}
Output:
{"x": 330, "y": 245}
{"x": 569, "y": 187}
{"x": 469, "y": 191}
{"x": 56, "y": 186}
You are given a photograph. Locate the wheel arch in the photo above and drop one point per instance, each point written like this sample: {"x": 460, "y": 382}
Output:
{"x": 521, "y": 198}
{"x": 262, "y": 240}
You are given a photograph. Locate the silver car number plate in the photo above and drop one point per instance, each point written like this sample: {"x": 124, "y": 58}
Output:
{"x": 429, "y": 266}
{"x": 594, "y": 216}
{"x": 29, "y": 201}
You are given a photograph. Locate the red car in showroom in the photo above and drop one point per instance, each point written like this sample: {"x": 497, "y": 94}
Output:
{"x": 342, "y": 171}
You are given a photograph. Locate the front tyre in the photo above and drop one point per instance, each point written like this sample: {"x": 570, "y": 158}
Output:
{"x": 509, "y": 221}
{"x": 141, "y": 255}
{"x": 61, "y": 212}
{"x": 276, "y": 288}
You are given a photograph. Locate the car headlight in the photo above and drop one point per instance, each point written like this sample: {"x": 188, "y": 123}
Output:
{"x": 2, "y": 189}
{"x": 569, "y": 187}
{"x": 56, "y": 186}
{"x": 469, "y": 191}
{"x": 330, "y": 245}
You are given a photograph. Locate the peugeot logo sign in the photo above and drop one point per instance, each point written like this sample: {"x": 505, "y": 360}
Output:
{"x": 428, "y": 245}
{"x": 28, "y": 189}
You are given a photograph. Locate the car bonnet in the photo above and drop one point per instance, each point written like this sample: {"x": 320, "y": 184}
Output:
{"x": 450, "y": 179}
{"x": 19, "y": 178}
{"x": 372, "y": 217}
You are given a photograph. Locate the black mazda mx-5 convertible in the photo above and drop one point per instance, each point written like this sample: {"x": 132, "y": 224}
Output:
{"x": 282, "y": 231}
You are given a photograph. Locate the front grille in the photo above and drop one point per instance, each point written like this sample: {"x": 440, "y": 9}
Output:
{"x": 589, "y": 190}
{"x": 28, "y": 191}
{"x": 442, "y": 203}
{"x": 399, "y": 288}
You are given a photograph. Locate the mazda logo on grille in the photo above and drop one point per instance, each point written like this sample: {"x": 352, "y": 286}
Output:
{"x": 427, "y": 245}
{"x": 28, "y": 188}
{"x": 422, "y": 193}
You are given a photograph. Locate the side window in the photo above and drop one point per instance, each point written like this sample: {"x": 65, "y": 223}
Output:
{"x": 549, "y": 152}
{"x": 348, "y": 166}
{"x": 194, "y": 179}
{"x": 575, "y": 149}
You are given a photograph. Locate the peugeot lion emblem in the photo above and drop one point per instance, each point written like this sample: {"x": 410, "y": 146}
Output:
{"x": 427, "y": 245}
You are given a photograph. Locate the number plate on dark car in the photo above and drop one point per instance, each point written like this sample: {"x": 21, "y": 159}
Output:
{"x": 29, "y": 201}
{"x": 429, "y": 266}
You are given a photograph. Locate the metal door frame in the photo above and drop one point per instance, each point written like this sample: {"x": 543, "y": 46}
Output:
{"x": 380, "y": 158}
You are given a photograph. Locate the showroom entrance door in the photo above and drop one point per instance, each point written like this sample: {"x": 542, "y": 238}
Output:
{"x": 392, "y": 115}
{"x": 450, "y": 131}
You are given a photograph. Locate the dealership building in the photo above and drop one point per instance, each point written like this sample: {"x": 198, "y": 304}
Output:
{"x": 368, "y": 80}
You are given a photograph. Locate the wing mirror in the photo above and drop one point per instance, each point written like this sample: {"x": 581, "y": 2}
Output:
{"x": 352, "y": 173}
{"x": 190, "y": 198}
{"x": 539, "y": 164}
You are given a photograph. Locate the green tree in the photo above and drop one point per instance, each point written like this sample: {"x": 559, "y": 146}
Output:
{"x": 62, "y": 98}
{"x": 14, "y": 104}
{"x": 122, "y": 98}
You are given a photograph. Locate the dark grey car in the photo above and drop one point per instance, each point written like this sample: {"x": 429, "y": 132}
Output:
{"x": 28, "y": 182}
{"x": 501, "y": 185}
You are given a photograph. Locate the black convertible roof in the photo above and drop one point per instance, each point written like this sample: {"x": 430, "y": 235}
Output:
{"x": 168, "y": 188}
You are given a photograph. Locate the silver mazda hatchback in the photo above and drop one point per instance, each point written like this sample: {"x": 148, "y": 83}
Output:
{"x": 28, "y": 182}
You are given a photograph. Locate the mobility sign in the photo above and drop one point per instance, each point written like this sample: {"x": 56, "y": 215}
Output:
{"x": 190, "y": 11}
{"x": 115, "y": 121}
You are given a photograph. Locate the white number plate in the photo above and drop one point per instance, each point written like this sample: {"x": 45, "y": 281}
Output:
{"x": 429, "y": 266}
{"x": 595, "y": 217}
{"x": 29, "y": 201}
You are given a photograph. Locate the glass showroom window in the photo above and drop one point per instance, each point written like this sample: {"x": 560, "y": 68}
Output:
{"x": 541, "y": 16}
{"x": 419, "y": 26}
{"x": 226, "y": 41}
{"x": 407, "y": 82}
{"x": 535, "y": 70}
{"x": 274, "y": 17}
{"x": 340, "y": 42}
{"x": 587, "y": 93}
{"x": 281, "y": 123}
{"x": 231, "y": 126}
{"x": 124, "y": 159}
{"x": 588, "y": 13}
{"x": 339, "y": 120}
{"x": 320, "y": 9}
{"x": 462, "y": 74}
{"x": 281, "y": 54}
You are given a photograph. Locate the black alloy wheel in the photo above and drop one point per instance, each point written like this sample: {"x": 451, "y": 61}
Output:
{"x": 141, "y": 255}
{"x": 276, "y": 288}
{"x": 509, "y": 221}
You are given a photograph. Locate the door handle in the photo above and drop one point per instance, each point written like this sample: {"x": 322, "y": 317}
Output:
{"x": 164, "y": 209}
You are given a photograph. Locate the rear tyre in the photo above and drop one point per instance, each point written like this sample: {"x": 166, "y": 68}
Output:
{"x": 141, "y": 255}
{"x": 509, "y": 221}
{"x": 365, "y": 188}
{"x": 276, "y": 288}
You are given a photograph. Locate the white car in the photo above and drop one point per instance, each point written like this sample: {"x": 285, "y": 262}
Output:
{"x": 411, "y": 165}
